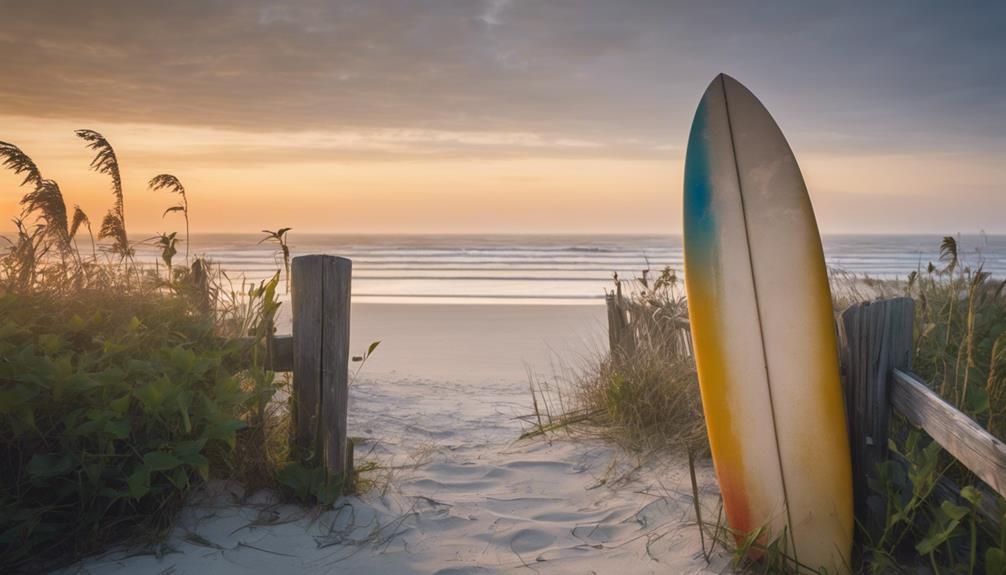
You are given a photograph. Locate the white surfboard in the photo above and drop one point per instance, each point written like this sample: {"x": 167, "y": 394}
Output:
{"x": 763, "y": 332}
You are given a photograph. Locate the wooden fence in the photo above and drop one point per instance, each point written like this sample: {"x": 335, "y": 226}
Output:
{"x": 317, "y": 353}
{"x": 631, "y": 324}
{"x": 876, "y": 346}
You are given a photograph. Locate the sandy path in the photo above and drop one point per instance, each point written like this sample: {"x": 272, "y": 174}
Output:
{"x": 458, "y": 493}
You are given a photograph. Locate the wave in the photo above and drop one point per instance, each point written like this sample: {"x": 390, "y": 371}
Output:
{"x": 571, "y": 269}
{"x": 481, "y": 296}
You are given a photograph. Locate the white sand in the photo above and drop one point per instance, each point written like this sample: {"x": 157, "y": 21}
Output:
{"x": 437, "y": 407}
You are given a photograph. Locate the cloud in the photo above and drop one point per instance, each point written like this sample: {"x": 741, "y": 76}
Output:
{"x": 492, "y": 14}
{"x": 193, "y": 145}
{"x": 838, "y": 78}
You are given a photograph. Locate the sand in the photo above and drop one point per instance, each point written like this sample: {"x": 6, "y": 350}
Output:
{"x": 437, "y": 408}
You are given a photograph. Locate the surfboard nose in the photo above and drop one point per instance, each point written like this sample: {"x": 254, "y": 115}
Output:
{"x": 715, "y": 88}
{"x": 725, "y": 85}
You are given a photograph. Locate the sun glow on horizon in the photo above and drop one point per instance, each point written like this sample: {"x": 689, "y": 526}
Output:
{"x": 413, "y": 181}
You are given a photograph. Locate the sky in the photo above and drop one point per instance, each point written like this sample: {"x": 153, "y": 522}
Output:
{"x": 500, "y": 116}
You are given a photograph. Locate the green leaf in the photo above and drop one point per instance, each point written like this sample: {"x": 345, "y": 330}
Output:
{"x": 225, "y": 431}
{"x": 995, "y": 561}
{"x": 160, "y": 461}
{"x": 184, "y": 449}
{"x": 930, "y": 543}
{"x": 120, "y": 405}
{"x": 16, "y": 397}
{"x": 119, "y": 428}
{"x": 153, "y": 395}
{"x": 199, "y": 463}
{"x": 977, "y": 401}
{"x": 300, "y": 479}
{"x": 955, "y": 512}
{"x": 76, "y": 323}
{"x": 8, "y": 329}
{"x": 111, "y": 347}
{"x": 50, "y": 343}
{"x": 971, "y": 495}
{"x": 183, "y": 409}
{"x": 47, "y": 465}
{"x": 182, "y": 359}
{"x": 139, "y": 482}
{"x": 373, "y": 346}
{"x": 179, "y": 478}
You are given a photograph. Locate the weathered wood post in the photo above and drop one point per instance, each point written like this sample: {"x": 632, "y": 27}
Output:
{"x": 614, "y": 324}
{"x": 321, "y": 301}
{"x": 621, "y": 335}
{"x": 876, "y": 338}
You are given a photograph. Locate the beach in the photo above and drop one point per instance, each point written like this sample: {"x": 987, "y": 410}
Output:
{"x": 456, "y": 491}
{"x": 465, "y": 325}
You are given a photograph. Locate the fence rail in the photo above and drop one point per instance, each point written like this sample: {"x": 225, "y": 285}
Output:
{"x": 876, "y": 344}
{"x": 961, "y": 436}
{"x": 280, "y": 353}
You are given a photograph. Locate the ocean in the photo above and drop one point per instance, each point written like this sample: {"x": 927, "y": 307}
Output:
{"x": 554, "y": 269}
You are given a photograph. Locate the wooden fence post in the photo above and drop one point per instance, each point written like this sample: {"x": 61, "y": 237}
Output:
{"x": 321, "y": 302}
{"x": 614, "y": 325}
{"x": 876, "y": 338}
{"x": 621, "y": 334}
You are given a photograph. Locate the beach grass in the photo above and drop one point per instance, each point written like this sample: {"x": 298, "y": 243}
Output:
{"x": 645, "y": 395}
{"x": 959, "y": 348}
{"x": 123, "y": 386}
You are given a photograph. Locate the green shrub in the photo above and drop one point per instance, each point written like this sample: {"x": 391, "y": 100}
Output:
{"x": 112, "y": 405}
{"x": 121, "y": 387}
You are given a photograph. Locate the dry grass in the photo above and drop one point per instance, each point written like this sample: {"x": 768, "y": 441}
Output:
{"x": 645, "y": 394}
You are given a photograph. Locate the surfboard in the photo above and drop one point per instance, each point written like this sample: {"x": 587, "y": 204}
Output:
{"x": 763, "y": 333}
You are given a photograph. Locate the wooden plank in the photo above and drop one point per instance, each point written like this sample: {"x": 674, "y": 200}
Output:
{"x": 614, "y": 326}
{"x": 876, "y": 337}
{"x": 621, "y": 335}
{"x": 335, "y": 362}
{"x": 627, "y": 333}
{"x": 281, "y": 347}
{"x": 280, "y": 357}
{"x": 308, "y": 310}
{"x": 960, "y": 435}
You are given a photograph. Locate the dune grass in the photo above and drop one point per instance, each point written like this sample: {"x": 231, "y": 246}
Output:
{"x": 125, "y": 385}
{"x": 644, "y": 396}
